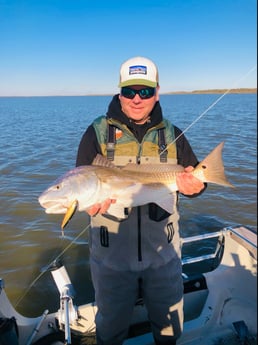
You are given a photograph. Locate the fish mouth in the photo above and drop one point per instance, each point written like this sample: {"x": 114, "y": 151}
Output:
{"x": 53, "y": 207}
{"x": 69, "y": 213}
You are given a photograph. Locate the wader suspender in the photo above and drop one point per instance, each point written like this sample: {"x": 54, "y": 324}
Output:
{"x": 111, "y": 141}
{"x": 162, "y": 146}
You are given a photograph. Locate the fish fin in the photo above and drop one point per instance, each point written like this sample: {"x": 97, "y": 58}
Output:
{"x": 69, "y": 213}
{"x": 117, "y": 210}
{"x": 152, "y": 168}
{"x": 212, "y": 167}
{"x": 167, "y": 204}
{"x": 102, "y": 161}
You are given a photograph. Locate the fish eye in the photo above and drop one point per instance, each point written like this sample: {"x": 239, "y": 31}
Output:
{"x": 58, "y": 187}
{"x": 204, "y": 167}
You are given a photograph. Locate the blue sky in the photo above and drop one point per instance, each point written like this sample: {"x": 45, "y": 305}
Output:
{"x": 76, "y": 47}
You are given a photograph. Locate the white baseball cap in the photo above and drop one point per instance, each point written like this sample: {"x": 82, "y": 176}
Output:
{"x": 138, "y": 71}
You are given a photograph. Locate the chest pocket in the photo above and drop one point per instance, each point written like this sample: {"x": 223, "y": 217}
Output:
{"x": 111, "y": 142}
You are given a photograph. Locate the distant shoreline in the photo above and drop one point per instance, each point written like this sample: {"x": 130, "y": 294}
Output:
{"x": 213, "y": 91}
{"x": 209, "y": 91}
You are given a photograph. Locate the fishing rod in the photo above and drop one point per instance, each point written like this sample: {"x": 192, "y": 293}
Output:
{"x": 212, "y": 105}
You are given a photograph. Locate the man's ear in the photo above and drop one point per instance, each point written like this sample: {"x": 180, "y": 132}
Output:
{"x": 157, "y": 93}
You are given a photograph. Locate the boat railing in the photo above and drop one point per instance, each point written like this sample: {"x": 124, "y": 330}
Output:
{"x": 247, "y": 242}
{"x": 201, "y": 237}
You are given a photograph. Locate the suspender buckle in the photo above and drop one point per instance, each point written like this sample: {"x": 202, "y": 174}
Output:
{"x": 110, "y": 151}
{"x": 163, "y": 152}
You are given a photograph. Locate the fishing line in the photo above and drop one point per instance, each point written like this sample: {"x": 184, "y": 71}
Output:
{"x": 187, "y": 128}
{"x": 46, "y": 268}
{"x": 212, "y": 105}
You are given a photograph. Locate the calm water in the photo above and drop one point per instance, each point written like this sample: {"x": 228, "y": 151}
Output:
{"x": 39, "y": 140}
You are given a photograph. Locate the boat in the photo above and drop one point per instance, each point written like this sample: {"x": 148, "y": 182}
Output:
{"x": 220, "y": 301}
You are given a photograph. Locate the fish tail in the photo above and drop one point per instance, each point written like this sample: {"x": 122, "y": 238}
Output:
{"x": 212, "y": 167}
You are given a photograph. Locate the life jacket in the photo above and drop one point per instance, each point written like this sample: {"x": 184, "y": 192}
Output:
{"x": 119, "y": 145}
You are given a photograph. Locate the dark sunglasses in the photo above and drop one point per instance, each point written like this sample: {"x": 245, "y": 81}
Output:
{"x": 144, "y": 93}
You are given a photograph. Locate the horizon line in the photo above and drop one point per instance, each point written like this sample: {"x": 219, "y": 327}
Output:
{"x": 204, "y": 91}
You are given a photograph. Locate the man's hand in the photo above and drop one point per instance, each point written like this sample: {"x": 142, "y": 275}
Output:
{"x": 100, "y": 208}
{"x": 188, "y": 184}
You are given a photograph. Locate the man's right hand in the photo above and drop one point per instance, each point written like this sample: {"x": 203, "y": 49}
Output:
{"x": 100, "y": 208}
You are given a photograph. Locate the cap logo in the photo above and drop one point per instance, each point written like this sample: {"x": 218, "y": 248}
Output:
{"x": 138, "y": 69}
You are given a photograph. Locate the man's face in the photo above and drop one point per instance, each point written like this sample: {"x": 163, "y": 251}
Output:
{"x": 138, "y": 109}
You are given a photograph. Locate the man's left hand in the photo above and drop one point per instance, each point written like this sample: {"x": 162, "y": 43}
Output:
{"x": 188, "y": 184}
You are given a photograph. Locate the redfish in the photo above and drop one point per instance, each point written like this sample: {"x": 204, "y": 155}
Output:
{"x": 132, "y": 185}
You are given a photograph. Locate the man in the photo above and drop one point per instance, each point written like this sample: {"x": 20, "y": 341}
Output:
{"x": 141, "y": 252}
